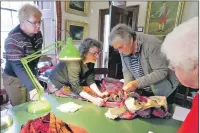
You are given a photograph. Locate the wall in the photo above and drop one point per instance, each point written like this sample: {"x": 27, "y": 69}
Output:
{"x": 92, "y": 19}
{"x": 190, "y": 10}
{"x": 142, "y": 11}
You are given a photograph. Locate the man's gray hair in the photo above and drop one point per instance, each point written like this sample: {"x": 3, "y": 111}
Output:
{"x": 121, "y": 32}
{"x": 88, "y": 43}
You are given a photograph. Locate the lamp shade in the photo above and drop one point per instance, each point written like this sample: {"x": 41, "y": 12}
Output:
{"x": 69, "y": 52}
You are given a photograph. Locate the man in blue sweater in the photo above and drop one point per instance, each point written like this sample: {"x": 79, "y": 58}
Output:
{"x": 22, "y": 41}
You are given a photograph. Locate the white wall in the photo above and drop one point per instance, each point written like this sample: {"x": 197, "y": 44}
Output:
{"x": 190, "y": 10}
{"x": 142, "y": 11}
{"x": 92, "y": 19}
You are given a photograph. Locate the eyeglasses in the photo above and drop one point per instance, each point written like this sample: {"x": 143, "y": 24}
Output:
{"x": 95, "y": 54}
{"x": 34, "y": 23}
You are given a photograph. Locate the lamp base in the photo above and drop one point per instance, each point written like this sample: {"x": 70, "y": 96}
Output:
{"x": 39, "y": 106}
{"x": 6, "y": 121}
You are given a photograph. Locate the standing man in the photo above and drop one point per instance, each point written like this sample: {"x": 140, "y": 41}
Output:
{"x": 22, "y": 41}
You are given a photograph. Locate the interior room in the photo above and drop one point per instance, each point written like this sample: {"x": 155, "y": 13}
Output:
{"x": 99, "y": 66}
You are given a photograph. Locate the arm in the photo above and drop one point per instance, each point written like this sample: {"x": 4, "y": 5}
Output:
{"x": 91, "y": 83}
{"x": 22, "y": 75}
{"x": 95, "y": 100}
{"x": 74, "y": 70}
{"x": 158, "y": 64}
{"x": 14, "y": 53}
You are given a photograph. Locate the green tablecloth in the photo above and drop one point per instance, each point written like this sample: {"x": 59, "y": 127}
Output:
{"x": 92, "y": 118}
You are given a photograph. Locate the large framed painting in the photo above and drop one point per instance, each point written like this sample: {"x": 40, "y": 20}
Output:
{"x": 77, "y": 30}
{"x": 77, "y": 7}
{"x": 163, "y": 16}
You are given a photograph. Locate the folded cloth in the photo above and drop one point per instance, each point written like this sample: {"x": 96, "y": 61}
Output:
{"x": 113, "y": 113}
{"x": 69, "y": 107}
{"x": 50, "y": 124}
{"x": 140, "y": 106}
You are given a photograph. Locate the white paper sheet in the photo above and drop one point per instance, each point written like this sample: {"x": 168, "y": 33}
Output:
{"x": 180, "y": 113}
{"x": 69, "y": 107}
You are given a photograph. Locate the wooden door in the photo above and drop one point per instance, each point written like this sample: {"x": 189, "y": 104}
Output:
{"x": 117, "y": 15}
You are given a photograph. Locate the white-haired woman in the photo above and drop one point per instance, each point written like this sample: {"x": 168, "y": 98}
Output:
{"x": 77, "y": 73}
{"x": 23, "y": 40}
{"x": 143, "y": 65}
{"x": 181, "y": 48}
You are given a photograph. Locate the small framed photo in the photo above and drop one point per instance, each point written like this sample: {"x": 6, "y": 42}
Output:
{"x": 140, "y": 29}
{"x": 77, "y": 7}
{"x": 77, "y": 30}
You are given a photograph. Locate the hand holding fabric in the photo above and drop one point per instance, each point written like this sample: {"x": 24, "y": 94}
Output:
{"x": 131, "y": 86}
{"x": 98, "y": 101}
{"x": 105, "y": 93}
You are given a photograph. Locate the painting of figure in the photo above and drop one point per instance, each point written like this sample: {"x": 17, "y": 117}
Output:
{"x": 163, "y": 16}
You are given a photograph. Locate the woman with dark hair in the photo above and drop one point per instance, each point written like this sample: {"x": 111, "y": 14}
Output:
{"x": 77, "y": 73}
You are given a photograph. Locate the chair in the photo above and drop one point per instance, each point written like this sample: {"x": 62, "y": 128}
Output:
{"x": 103, "y": 71}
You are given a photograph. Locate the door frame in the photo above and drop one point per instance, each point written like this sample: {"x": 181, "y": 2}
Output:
{"x": 102, "y": 13}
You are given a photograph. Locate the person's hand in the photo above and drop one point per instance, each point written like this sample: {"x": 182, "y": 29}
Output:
{"x": 131, "y": 86}
{"x": 58, "y": 93}
{"x": 105, "y": 93}
{"x": 34, "y": 95}
{"x": 98, "y": 101}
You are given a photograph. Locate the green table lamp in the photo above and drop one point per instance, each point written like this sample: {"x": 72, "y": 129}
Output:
{"x": 68, "y": 53}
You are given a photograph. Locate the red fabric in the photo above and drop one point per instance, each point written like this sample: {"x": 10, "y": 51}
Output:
{"x": 43, "y": 69}
{"x": 191, "y": 123}
{"x": 50, "y": 124}
{"x": 163, "y": 18}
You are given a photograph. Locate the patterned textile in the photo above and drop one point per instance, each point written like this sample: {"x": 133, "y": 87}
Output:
{"x": 147, "y": 106}
{"x": 50, "y": 124}
{"x": 18, "y": 44}
{"x": 141, "y": 106}
{"x": 112, "y": 86}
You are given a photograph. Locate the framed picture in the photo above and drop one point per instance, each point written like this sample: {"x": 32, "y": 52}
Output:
{"x": 163, "y": 16}
{"x": 77, "y": 30}
{"x": 140, "y": 29}
{"x": 77, "y": 7}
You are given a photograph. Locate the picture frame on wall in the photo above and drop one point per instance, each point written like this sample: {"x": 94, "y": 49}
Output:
{"x": 78, "y": 30}
{"x": 163, "y": 16}
{"x": 77, "y": 7}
